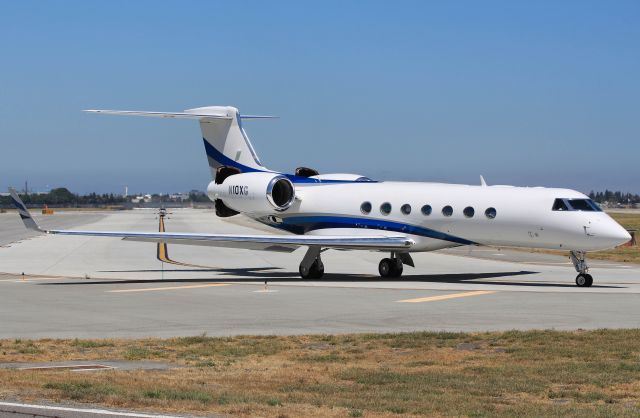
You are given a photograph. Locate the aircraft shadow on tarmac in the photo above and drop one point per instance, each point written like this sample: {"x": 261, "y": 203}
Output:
{"x": 246, "y": 275}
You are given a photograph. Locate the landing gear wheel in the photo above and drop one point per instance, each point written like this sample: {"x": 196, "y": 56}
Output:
{"x": 390, "y": 267}
{"x": 584, "y": 280}
{"x": 385, "y": 268}
{"x": 397, "y": 268}
{"x": 316, "y": 271}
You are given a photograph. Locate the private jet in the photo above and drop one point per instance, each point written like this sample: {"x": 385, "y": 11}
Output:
{"x": 347, "y": 211}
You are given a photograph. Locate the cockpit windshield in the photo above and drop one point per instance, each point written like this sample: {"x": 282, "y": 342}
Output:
{"x": 586, "y": 205}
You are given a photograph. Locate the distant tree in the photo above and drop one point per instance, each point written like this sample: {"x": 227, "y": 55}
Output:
{"x": 615, "y": 197}
{"x": 60, "y": 196}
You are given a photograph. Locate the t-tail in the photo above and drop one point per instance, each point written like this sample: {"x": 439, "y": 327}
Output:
{"x": 226, "y": 143}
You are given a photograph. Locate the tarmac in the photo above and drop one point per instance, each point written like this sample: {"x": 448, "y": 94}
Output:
{"x": 90, "y": 287}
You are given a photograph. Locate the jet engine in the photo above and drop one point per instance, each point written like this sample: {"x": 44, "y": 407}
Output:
{"x": 341, "y": 176}
{"x": 254, "y": 192}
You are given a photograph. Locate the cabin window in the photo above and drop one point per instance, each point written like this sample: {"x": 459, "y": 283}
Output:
{"x": 447, "y": 210}
{"x": 365, "y": 208}
{"x": 406, "y": 209}
{"x": 469, "y": 212}
{"x": 560, "y": 205}
{"x": 426, "y": 210}
{"x": 490, "y": 213}
{"x": 385, "y": 208}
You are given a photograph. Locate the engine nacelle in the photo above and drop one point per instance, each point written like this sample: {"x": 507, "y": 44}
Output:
{"x": 341, "y": 176}
{"x": 254, "y": 192}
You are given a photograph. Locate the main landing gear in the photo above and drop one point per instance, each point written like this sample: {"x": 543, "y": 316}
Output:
{"x": 392, "y": 267}
{"x": 311, "y": 266}
{"x": 578, "y": 258}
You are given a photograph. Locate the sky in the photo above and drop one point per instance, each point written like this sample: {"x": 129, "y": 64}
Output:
{"x": 542, "y": 93}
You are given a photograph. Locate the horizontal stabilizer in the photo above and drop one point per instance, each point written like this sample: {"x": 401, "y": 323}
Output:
{"x": 171, "y": 115}
{"x": 199, "y": 113}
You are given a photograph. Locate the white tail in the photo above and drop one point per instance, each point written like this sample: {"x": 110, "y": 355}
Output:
{"x": 225, "y": 141}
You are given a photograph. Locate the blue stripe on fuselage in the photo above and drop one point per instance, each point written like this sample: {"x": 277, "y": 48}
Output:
{"x": 305, "y": 224}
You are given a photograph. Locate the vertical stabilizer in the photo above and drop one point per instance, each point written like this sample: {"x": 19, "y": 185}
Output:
{"x": 225, "y": 141}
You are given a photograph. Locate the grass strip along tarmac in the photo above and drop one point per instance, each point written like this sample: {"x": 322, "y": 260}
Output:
{"x": 533, "y": 373}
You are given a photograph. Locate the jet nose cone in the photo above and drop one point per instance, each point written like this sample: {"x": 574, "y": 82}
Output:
{"x": 617, "y": 235}
{"x": 624, "y": 236}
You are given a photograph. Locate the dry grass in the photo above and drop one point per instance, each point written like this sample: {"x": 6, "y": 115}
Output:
{"x": 538, "y": 373}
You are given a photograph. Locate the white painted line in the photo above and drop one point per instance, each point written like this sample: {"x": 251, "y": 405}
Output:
{"x": 265, "y": 291}
{"x": 70, "y": 367}
{"x": 157, "y": 289}
{"x": 88, "y": 411}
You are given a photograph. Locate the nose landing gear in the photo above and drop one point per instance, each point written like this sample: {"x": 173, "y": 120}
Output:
{"x": 584, "y": 280}
{"x": 578, "y": 258}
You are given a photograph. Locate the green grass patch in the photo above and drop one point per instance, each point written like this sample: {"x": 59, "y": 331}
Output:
{"x": 91, "y": 343}
{"x": 179, "y": 395}
{"x": 83, "y": 390}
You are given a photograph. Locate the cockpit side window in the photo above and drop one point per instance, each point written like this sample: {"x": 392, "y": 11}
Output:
{"x": 559, "y": 205}
{"x": 595, "y": 206}
{"x": 585, "y": 205}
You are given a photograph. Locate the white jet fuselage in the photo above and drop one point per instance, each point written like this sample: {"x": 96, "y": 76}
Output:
{"x": 523, "y": 215}
{"x": 352, "y": 212}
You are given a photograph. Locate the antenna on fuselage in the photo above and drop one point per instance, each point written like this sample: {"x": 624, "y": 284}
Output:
{"x": 482, "y": 182}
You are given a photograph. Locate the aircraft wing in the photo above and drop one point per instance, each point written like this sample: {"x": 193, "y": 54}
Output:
{"x": 284, "y": 243}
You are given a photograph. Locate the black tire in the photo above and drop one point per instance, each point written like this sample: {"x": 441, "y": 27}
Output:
{"x": 385, "y": 268}
{"x": 397, "y": 268}
{"x": 316, "y": 271}
{"x": 304, "y": 273}
{"x": 589, "y": 280}
{"x": 584, "y": 280}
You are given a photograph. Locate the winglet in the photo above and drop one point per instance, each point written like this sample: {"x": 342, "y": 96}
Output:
{"x": 23, "y": 211}
{"x": 482, "y": 182}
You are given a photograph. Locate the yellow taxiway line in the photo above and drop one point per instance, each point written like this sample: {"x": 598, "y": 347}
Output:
{"x": 449, "y": 296}
{"x": 30, "y": 279}
{"x": 163, "y": 252}
{"x": 157, "y": 289}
